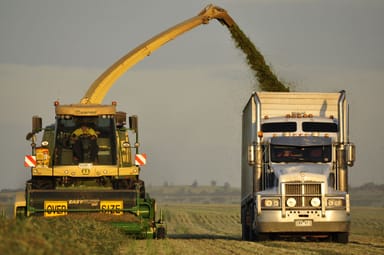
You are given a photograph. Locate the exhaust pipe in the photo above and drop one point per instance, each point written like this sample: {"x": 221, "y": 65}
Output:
{"x": 342, "y": 169}
{"x": 258, "y": 148}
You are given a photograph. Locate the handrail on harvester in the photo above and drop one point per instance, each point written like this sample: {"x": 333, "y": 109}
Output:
{"x": 104, "y": 82}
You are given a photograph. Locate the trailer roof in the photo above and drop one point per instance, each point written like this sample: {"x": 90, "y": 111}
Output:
{"x": 275, "y": 104}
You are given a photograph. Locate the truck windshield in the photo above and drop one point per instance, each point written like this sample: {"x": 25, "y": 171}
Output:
{"x": 105, "y": 151}
{"x": 317, "y": 154}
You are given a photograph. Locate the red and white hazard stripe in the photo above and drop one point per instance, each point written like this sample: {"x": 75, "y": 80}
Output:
{"x": 30, "y": 161}
{"x": 140, "y": 159}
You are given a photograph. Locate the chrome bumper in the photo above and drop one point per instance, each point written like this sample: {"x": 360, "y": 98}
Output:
{"x": 271, "y": 221}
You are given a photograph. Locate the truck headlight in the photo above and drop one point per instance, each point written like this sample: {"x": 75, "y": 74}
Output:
{"x": 271, "y": 202}
{"x": 335, "y": 202}
{"x": 315, "y": 202}
{"x": 291, "y": 202}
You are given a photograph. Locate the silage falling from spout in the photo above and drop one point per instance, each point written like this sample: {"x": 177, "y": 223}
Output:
{"x": 255, "y": 60}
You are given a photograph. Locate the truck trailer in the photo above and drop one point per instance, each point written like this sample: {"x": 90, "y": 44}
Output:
{"x": 295, "y": 158}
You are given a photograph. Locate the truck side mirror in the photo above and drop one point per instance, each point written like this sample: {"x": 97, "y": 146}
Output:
{"x": 255, "y": 154}
{"x": 350, "y": 154}
{"x": 251, "y": 155}
{"x": 37, "y": 124}
{"x": 133, "y": 122}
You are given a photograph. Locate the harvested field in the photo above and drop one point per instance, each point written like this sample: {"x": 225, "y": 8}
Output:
{"x": 192, "y": 229}
{"x": 215, "y": 229}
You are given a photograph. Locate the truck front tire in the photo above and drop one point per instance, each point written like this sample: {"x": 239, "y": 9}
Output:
{"x": 340, "y": 237}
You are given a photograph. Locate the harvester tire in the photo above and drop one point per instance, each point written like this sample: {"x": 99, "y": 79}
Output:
{"x": 20, "y": 212}
{"x": 160, "y": 233}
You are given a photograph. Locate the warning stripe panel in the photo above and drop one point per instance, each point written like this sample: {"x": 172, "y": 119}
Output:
{"x": 141, "y": 159}
{"x": 30, "y": 161}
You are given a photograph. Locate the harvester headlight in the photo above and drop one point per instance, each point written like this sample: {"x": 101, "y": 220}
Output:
{"x": 291, "y": 202}
{"x": 42, "y": 156}
{"x": 315, "y": 202}
{"x": 126, "y": 145}
{"x": 44, "y": 143}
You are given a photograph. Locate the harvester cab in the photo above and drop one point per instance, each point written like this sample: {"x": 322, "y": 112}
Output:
{"x": 86, "y": 141}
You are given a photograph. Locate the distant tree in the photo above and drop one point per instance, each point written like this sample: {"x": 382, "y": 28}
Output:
{"x": 165, "y": 184}
{"x": 195, "y": 184}
{"x": 213, "y": 183}
{"x": 227, "y": 186}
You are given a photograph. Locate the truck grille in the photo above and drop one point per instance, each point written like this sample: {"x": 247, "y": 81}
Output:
{"x": 303, "y": 193}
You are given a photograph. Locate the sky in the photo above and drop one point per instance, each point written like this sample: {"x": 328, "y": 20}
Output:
{"x": 190, "y": 93}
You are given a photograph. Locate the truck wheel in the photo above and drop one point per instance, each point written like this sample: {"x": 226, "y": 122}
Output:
{"x": 252, "y": 235}
{"x": 341, "y": 237}
{"x": 262, "y": 237}
{"x": 245, "y": 225}
{"x": 245, "y": 232}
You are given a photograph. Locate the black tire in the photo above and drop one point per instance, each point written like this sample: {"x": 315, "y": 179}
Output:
{"x": 262, "y": 237}
{"x": 342, "y": 237}
{"x": 161, "y": 233}
{"x": 252, "y": 236}
{"x": 247, "y": 232}
{"x": 244, "y": 227}
{"x": 20, "y": 212}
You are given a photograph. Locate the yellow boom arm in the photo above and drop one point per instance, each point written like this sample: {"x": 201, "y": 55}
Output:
{"x": 101, "y": 85}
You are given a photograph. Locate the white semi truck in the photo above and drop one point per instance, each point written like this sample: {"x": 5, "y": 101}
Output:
{"x": 295, "y": 158}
